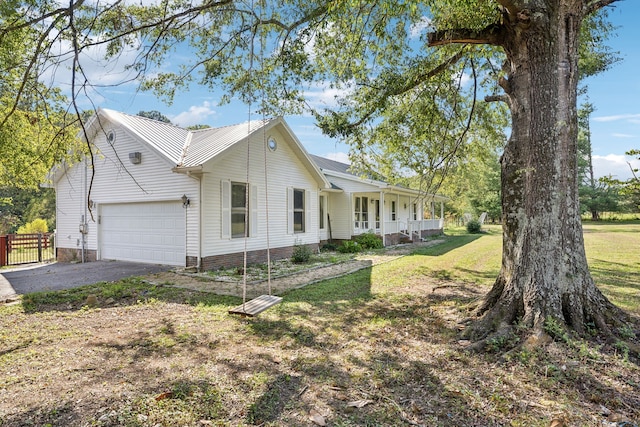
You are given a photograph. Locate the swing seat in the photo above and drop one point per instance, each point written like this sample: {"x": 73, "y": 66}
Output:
{"x": 256, "y": 306}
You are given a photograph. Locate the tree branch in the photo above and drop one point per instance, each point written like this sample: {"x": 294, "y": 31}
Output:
{"x": 492, "y": 35}
{"x": 391, "y": 91}
{"x": 496, "y": 98}
{"x": 512, "y": 10}
{"x": 594, "y": 5}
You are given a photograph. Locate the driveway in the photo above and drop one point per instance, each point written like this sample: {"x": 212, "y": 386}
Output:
{"x": 57, "y": 276}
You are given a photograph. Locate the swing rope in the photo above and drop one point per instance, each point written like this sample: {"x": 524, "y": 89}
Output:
{"x": 263, "y": 302}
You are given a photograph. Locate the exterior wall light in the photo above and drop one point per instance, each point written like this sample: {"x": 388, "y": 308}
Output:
{"x": 135, "y": 158}
{"x": 185, "y": 201}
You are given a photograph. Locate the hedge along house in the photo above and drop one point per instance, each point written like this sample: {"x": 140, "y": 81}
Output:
{"x": 161, "y": 194}
{"x": 362, "y": 205}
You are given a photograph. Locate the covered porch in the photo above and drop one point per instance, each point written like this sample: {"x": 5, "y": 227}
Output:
{"x": 397, "y": 216}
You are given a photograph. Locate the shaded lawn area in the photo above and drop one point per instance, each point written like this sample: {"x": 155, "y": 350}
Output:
{"x": 378, "y": 347}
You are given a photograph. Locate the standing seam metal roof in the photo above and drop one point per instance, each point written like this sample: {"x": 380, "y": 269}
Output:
{"x": 183, "y": 147}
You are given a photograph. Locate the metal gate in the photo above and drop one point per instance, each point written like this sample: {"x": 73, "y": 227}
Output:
{"x": 26, "y": 248}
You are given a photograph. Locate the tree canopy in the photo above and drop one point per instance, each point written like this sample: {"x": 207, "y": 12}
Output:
{"x": 34, "y": 127}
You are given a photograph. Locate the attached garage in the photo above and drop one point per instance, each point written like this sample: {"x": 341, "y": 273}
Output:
{"x": 152, "y": 232}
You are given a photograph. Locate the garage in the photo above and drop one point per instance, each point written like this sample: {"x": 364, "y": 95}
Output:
{"x": 143, "y": 232}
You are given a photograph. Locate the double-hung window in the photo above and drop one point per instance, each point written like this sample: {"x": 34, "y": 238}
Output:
{"x": 239, "y": 203}
{"x": 298, "y": 211}
{"x": 239, "y": 210}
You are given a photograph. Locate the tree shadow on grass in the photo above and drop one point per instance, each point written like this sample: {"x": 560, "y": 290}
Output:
{"x": 127, "y": 292}
{"x": 451, "y": 243}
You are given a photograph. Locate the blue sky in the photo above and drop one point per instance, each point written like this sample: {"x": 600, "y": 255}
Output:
{"x": 615, "y": 124}
{"x": 615, "y": 94}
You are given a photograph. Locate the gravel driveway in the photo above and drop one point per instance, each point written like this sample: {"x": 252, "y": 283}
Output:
{"x": 56, "y": 276}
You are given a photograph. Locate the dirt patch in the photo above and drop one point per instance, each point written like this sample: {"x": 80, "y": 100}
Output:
{"x": 281, "y": 284}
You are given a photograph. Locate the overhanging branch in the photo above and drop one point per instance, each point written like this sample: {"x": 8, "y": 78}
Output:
{"x": 492, "y": 35}
{"x": 594, "y": 5}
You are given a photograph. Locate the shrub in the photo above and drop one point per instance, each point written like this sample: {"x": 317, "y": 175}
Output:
{"x": 329, "y": 247}
{"x": 473, "y": 226}
{"x": 349, "y": 247}
{"x": 369, "y": 241}
{"x": 38, "y": 225}
{"x": 301, "y": 254}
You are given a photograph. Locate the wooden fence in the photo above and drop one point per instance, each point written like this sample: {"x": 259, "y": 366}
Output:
{"x": 26, "y": 248}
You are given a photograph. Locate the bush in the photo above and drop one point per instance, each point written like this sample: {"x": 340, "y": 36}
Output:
{"x": 349, "y": 247}
{"x": 301, "y": 254}
{"x": 329, "y": 247}
{"x": 369, "y": 241}
{"x": 36, "y": 226}
{"x": 473, "y": 226}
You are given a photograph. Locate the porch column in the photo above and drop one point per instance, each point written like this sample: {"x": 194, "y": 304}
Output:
{"x": 382, "y": 219}
{"x": 442, "y": 213}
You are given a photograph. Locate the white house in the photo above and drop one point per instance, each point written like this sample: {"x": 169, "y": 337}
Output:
{"x": 161, "y": 194}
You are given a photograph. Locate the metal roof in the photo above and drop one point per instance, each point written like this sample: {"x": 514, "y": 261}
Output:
{"x": 169, "y": 140}
{"x": 205, "y": 144}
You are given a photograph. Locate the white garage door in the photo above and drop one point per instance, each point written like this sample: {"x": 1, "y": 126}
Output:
{"x": 143, "y": 232}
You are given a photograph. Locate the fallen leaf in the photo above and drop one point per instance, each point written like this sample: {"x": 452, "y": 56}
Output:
{"x": 556, "y": 423}
{"x": 359, "y": 403}
{"x": 166, "y": 395}
{"x": 316, "y": 418}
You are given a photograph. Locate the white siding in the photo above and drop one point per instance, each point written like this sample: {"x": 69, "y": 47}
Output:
{"x": 70, "y": 208}
{"x": 116, "y": 180}
{"x": 283, "y": 170}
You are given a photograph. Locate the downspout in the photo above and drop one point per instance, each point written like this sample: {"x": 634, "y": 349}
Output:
{"x": 199, "y": 260}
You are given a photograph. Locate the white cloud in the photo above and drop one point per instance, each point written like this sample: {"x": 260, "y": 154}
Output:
{"x": 418, "y": 28}
{"x": 196, "y": 115}
{"x": 615, "y": 165}
{"x": 629, "y": 117}
{"x": 338, "y": 157}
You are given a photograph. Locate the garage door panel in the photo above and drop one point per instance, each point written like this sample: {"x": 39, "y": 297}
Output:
{"x": 144, "y": 232}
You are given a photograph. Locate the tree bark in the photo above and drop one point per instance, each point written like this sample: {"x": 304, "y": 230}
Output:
{"x": 544, "y": 271}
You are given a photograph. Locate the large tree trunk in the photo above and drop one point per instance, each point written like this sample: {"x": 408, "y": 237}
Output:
{"x": 544, "y": 268}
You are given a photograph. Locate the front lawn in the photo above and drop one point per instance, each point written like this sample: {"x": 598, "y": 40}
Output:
{"x": 379, "y": 347}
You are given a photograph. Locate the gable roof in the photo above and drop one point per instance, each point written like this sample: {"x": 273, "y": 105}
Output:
{"x": 187, "y": 150}
{"x": 166, "y": 139}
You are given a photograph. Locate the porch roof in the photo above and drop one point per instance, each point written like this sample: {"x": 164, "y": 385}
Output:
{"x": 338, "y": 169}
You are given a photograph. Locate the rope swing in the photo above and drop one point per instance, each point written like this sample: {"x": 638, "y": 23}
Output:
{"x": 263, "y": 302}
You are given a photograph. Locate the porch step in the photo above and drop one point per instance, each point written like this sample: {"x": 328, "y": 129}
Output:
{"x": 405, "y": 239}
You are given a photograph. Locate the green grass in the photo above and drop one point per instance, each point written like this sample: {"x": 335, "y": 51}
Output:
{"x": 613, "y": 251}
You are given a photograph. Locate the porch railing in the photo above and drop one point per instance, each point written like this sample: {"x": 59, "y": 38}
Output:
{"x": 410, "y": 227}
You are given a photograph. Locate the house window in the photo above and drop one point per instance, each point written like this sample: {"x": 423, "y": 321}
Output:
{"x": 415, "y": 211}
{"x": 239, "y": 210}
{"x": 298, "y": 211}
{"x": 322, "y": 212}
{"x": 393, "y": 210}
{"x": 361, "y": 212}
